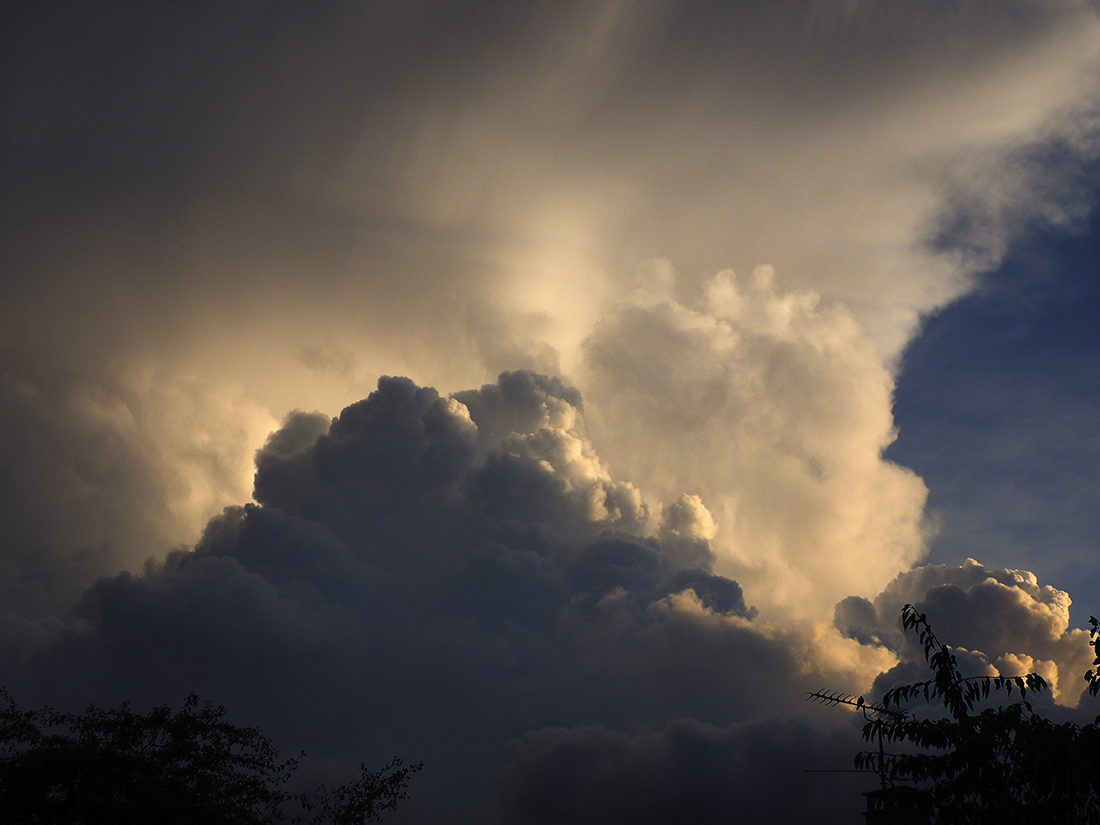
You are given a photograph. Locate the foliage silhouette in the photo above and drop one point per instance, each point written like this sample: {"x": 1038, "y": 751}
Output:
{"x": 998, "y": 764}
{"x": 120, "y": 767}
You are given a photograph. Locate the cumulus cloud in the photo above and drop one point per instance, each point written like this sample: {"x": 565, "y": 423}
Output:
{"x": 285, "y": 206}
{"x": 462, "y": 579}
{"x": 435, "y": 575}
{"x": 773, "y": 407}
{"x": 1008, "y": 622}
{"x": 238, "y": 214}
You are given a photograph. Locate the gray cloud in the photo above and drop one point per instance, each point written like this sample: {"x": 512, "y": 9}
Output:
{"x": 215, "y": 215}
{"x": 439, "y": 576}
{"x": 269, "y": 209}
{"x": 435, "y": 576}
{"x": 688, "y": 771}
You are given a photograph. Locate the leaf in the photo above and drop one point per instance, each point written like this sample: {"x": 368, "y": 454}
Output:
{"x": 1003, "y": 763}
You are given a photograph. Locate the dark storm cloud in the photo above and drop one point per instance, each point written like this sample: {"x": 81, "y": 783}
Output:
{"x": 219, "y": 212}
{"x": 686, "y": 772}
{"x": 430, "y": 577}
{"x": 437, "y": 576}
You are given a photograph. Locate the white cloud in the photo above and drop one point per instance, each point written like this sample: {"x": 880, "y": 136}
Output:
{"x": 1004, "y": 617}
{"x": 774, "y": 408}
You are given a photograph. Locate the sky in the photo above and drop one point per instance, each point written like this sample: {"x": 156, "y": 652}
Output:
{"x": 553, "y": 393}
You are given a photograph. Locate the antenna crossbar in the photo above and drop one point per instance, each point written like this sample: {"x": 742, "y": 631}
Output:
{"x": 833, "y": 697}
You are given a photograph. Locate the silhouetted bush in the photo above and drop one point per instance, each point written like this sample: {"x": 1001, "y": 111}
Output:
{"x": 998, "y": 764}
{"x": 116, "y": 767}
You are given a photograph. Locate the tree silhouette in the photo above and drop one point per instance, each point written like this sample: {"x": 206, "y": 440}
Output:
{"x": 997, "y": 764}
{"x": 119, "y": 767}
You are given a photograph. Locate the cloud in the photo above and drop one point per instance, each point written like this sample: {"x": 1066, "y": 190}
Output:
{"x": 1003, "y": 617}
{"x": 435, "y": 575}
{"x": 104, "y": 470}
{"x": 883, "y": 157}
{"x": 686, "y": 771}
{"x": 283, "y": 208}
{"x": 441, "y": 575}
{"x": 772, "y": 407}
{"x": 213, "y": 222}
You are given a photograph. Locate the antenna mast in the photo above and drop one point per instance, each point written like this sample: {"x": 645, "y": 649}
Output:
{"x": 835, "y": 698}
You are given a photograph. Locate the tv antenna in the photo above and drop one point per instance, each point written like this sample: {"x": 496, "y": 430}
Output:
{"x": 871, "y": 711}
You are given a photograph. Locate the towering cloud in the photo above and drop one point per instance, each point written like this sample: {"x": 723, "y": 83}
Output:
{"x": 268, "y": 210}
{"x": 219, "y": 215}
{"x": 461, "y": 579}
{"x": 774, "y": 408}
{"x": 434, "y": 576}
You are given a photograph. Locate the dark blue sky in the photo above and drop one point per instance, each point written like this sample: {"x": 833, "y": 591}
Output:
{"x": 998, "y": 405}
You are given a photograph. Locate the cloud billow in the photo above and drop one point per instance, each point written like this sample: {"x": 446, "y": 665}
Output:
{"x": 440, "y": 576}
{"x": 413, "y": 581}
{"x": 1002, "y": 619}
{"x": 773, "y": 407}
{"x": 218, "y": 217}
